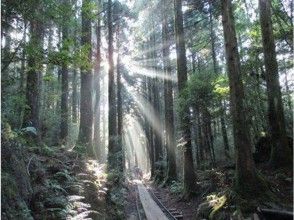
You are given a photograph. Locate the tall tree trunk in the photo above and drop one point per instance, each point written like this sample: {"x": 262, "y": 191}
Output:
{"x": 215, "y": 69}
{"x": 23, "y": 63}
{"x": 97, "y": 139}
{"x": 289, "y": 99}
{"x": 86, "y": 109}
{"x": 119, "y": 96}
{"x": 114, "y": 158}
{"x": 156, "y": 105}
{"x": 23, "y": 74}
{"x": 208, "y": 135}
{"x": 151, "y": 131}
{"x": 75, "y": 95}
{"x": 5, "y": 53}
{"x": 280, "y": 155}
{"x": 246, "y": 177}
{"x": 224, "y": 133}
{"x": 197, "y": 136}
{"x": 57, "y": 89}
{"x": 189, "y": 174}
{"x": 104, "y": 131}
{"x": 64, "y": 81}
{"x": 168, "y": 102}
{"x": 74, "y": 106}
{"x": 32, "y": 116}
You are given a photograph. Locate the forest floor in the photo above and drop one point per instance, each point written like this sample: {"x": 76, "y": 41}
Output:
{"x": 51, "y": 183}
{"x": 173, "y": 201}
{"x": 54, "y": 183}
{"x": 217, "y": 183}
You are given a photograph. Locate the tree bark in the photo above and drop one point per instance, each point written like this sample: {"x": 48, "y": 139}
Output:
{"x": 150, "y": 130}
{"x": 168, "y": 102}
{"x": 189, "y": 174}
{"x": 75, "y": 95}
{"x": 215, "y": 69}
{"x": 119, "y": 98}
{"x": 64, "y": 82}
{"x": 86, "y": 109}
{"x": 156, "y": 105}
{"x": 75, "y": 85}
{"x": 97, "y": 139}
{"x": 224, "y": 133}
{"x": 33, "y": 90}
{"x": 22, "y": 75}
{"x": 246, "y": 178}
{"x": 113, "y": 150}
{"x": 280, "y": 155}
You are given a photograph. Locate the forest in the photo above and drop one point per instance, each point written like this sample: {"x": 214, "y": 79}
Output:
{"x": 147, "y": 109}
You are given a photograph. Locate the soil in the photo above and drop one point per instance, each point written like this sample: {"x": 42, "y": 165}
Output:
{"x": 172, "y": 201}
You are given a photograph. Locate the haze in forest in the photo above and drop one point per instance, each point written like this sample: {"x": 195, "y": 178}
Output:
{"x": 141, "y": 109}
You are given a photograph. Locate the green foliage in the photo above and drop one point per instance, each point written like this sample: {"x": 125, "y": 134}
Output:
{"x": 221, "y": 86}
{"x": 63, "y": 56}
{"x": 176, "y": 187}
{"x": 217, "y": 203}
{"x": 200, "y": 87}
{"x": 81, "y": 57}
{"x": 48, "y": 77}
{"x": 54, "y": 187}
{"x": 115, "y": 177}
{"x": 89, "y": 8}
{"x": 80, "y": 149}
{"x": 73, "y": 131}
{"x": 8, "y": 183}
{"x": 160, "y": 167}
{"x": 35, "y": 51}
{"x": 12, "y": 108}
{"x": 116, "y": 196}
{"x": 7, "y": 133}
{"x": 47, "y": 150}
{"x": 63, "y": 175}
{"x": 202, "y": 91}
{"x": 50, "y": 125}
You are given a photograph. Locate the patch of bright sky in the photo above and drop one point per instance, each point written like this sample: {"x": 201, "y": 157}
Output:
{"x": 129, "y": 3}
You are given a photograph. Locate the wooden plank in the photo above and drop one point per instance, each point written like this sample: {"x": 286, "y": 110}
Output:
{"x": 152, "y": 210}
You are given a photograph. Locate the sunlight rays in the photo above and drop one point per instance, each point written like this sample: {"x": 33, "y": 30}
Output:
{"x": 152, "y": 49}
{"x": 135, "y": 144}
{"x": 135, "y": 68}
{"x": 147, "y": 109}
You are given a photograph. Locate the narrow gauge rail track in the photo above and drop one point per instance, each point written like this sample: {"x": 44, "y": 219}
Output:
{"x": 171, "y": 213}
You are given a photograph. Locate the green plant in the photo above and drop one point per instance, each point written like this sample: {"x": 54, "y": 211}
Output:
{"x": 176, "y": 187}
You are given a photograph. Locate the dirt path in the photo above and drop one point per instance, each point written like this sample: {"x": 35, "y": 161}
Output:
{"x": 152, "y": 210}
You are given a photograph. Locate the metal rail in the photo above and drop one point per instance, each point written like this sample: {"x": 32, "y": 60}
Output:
{"x": 163, "y": 208}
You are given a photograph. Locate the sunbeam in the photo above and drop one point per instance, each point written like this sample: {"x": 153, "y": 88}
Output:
{"x": 147, "y": 109}
{"x": 154, "y": 48}
{"x": 135, "y": 144}
{"x": 134, "y": 68}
